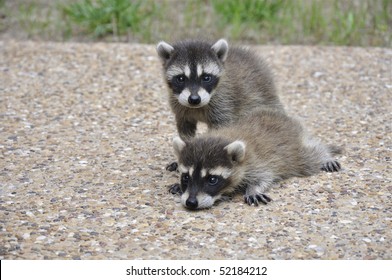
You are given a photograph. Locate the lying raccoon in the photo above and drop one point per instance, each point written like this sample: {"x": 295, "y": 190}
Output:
{"x": 259, "y": 150}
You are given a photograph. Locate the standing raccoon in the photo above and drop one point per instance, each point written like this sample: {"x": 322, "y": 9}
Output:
{"x": 251, "y": 155}
{"x": 214, "y": 85}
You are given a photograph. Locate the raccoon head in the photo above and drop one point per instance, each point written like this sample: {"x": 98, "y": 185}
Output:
{"x": 192, "y": 69}
{"x": 208, "y": 169}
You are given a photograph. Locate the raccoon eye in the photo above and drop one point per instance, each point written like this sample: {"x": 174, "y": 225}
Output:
{"x": 206, "y": 78}
{"x": 185, "y": 178}
{"x": 180, "y": 79}
{"x": 213, "y": 180}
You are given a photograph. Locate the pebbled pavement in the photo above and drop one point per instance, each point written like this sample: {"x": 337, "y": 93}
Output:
{"x": 85, "y": 135}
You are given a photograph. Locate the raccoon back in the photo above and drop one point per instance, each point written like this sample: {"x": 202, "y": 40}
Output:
{"x": 276, "y": 142}
{"x": 249, "y": 80}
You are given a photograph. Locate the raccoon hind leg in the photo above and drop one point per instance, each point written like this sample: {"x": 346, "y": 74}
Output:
{"x": 331, "y": 166}
{"x": 319, "y": 156}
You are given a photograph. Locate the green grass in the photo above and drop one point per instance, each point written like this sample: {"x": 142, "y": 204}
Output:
{"x": 331, "y": 22}
{"x": 247, "y": 11}
{"x": 240, "y": 15}
{"x": 106, "y": 17}
{"x": 2, "y": 15}
{"x": 316, "y": 22}
{"x": 30, "y": 19}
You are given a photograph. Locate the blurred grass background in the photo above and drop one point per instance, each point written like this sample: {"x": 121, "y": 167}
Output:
{"x": 315, "y": 22}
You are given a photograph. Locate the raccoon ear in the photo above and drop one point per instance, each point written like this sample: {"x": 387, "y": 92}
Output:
{"x": 164, "y": 50}
{"x": 236, "y": 151}
{"x": 178, "y": 146}
{"x": 221, "y": 48}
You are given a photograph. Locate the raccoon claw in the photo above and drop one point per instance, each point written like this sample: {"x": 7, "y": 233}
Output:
{"x": 331, "y": 166}
{"x": 172, "y": 166}
{"x": 255, "y": 199}
{"x": 175, "y": 189}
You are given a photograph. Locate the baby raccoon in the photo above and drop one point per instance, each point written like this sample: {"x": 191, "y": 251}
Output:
{"x": 214, "y": 85}
{"x": 250, "y": 155}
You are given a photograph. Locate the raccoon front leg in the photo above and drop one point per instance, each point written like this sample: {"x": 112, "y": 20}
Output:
{"x": 171, "y": 167}
{"x": 255, "y": 194}
{"x": 175, "y": 189}
{"x": 255, "y": 199}
{"x": 186, "y": 128}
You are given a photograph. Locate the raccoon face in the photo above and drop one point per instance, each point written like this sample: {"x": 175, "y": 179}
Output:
{"x": 201, "y": 187}
{"x": 206, "y": 168}
{"x": 192, "y": 69}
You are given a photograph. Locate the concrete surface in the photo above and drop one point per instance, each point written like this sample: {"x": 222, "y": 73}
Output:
{"x": 85, "y": 133}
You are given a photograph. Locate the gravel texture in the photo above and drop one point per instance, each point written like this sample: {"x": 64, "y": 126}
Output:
{"x": 86, "y": 130}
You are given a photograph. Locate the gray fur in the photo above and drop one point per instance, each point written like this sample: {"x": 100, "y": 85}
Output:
{"x": 245, "y": 83}
{"x": 261, "y": 149}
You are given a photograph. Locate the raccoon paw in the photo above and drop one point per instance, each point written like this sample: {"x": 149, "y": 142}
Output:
{"x": 331, "y": 166}
{"x": 175, "y": 189}
{"x": 255, "y": 199}
{"x": 172, "y": 166}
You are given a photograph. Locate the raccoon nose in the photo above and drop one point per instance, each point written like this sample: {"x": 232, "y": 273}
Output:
{"x": 191, "y": 203}
{"x": 194, "y": 99}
